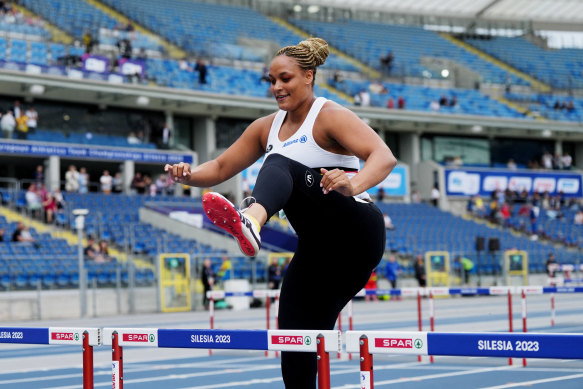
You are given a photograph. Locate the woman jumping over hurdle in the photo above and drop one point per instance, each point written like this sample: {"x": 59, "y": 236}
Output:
{"x": 311, "y": 171}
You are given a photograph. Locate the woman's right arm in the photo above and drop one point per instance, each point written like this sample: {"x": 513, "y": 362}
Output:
{"x": 240, "y": 155}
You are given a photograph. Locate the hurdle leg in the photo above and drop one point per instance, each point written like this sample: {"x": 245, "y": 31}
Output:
{"x": 523, "y": 320}
{"x": 211, "y": 317}
{"x": 366, "y": 374}
{"x": 350, "y": 323}
{"x": 117, "y": 362}
{"x": 510, "y": 329}
{"x": 419, "y": 317}
{"x": 552, "y": 309}
{"x": 267, "y": 309}
{"x": 431, "y": 319}
{"x": 339, "y": 327}
{"x": 323, "y": 363}
{"x": 87, "y": 362}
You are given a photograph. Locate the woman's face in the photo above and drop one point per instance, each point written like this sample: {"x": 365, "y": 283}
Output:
{"x": 290, "y": 84}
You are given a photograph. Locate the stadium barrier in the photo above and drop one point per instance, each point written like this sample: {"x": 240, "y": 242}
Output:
{"x": 490, "y": 344}
{"x": 85, "y": 337}
{"x": 320, "y": 342}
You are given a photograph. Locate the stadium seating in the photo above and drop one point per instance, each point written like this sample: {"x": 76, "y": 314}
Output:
{"x": 561, "y": 69}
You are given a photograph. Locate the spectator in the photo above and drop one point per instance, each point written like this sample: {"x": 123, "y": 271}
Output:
{"x": 578, "y": 218}
{"x": 133, "y": 139}
{"x": 208, "y": 280}
{"x": 88, "y": 41}
{"x": 33, "y": 201}
{"x": 226, "y": 268}
{"x": 566, "y": 161}
{"x": 22, "y": 127}
{"x": 337, "y": 77}
{"x": 8, "y": 124}
{"x": 391, "y": 103}
{"x": 381, "y": 195}
{"x": 117, "y": 182}
{"x": 570, "y": 106}
{"x": 265, "y": 75}
{"x": 162, "y": 184}
{"x": 419, "y": 267}
{"x": 142, "y": 55}
{"x": 32, "y": 121}
{"x": 443, "y": 102}
{"x": 388, "y": 222}
{"x": 547, "y": 160}
{"x": 465, "y": 268}
{"x": 83, "y": 180}
{"x": 557, "y": 104}
{"x": 90, "y": 251}
{"x": 362, "y": 98}
{"x": 392, "y": 271}
{"x": 274, "y": 274}
{"x": 50, "y": 207}
{"x": 201, "y": 68}
{"x": 401, "y": 102}
{"x": 166, "y": 137}
{"x": 39, "y": 175}
{"x": 2, "y": 233}
{"x": 453, "y": 102}
{"x": 138, "y": 185}
{"x": 434, "y": 105}
{"x": 511, "y": 164}
{"x": 387, "y": 62}
{"x": 16, "y": 109}
{"x": 22, "y": 234}
{"x": 435, "y": 196}
{"x": 106, "y": 181}
{"x": 457, "y": 161}
{"x": 552, "y": 266}
{"x": 72, "y": 179}
{"x": 102, "y": 252}
{"x": 415, "y": 196}
{"x": 372, "y": 285}
{"x": 59, "y": 199}
{"x": 125, "y": 48}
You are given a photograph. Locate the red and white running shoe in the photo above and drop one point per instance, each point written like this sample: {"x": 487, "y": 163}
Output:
{"x": 224, "y": 215}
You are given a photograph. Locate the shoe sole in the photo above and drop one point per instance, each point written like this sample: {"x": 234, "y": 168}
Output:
{"x": 224, "y": 215}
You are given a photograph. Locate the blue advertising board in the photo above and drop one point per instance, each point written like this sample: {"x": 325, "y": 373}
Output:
{"x": 469, "y": 182}
{"x": 24, "y": 335}
{"x": 215, "y": 339}
{"x": 94, "y": 152}
{"x": 561, "y": 346}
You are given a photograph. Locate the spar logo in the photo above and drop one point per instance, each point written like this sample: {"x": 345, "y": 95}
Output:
{"x": 73, "y": 336}
{"x": 138, "y": 337}
{"x": 291, "y": 340}
{"x": 398, "y": 343}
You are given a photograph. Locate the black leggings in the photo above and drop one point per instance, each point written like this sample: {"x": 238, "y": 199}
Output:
{"x": 340, "y": 242}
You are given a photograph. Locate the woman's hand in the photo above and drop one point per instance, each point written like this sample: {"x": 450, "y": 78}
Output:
{"x": 336, "y": 180}
{"x": 179, "y": 172}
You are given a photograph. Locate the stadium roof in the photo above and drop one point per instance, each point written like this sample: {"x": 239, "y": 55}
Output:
{"x": 539, "y": 14}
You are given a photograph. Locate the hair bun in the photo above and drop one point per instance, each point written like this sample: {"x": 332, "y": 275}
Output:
{"x": 319, "y": 49}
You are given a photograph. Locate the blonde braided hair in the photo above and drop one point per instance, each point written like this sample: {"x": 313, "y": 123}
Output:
{"x": 309, "y": 53}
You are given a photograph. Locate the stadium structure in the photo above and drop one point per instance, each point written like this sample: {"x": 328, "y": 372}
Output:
{"x": 485, "y": 104}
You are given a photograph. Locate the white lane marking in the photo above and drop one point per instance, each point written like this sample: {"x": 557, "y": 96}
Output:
{"x": 541, "y": 381}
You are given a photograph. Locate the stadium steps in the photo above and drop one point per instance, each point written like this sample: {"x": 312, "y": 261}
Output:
{"x": 57, "y": 35}
{"x": 536, "y": 84}
{"x": 517, "y": 107}
{"x": 365, "y": 69}
{"x": 69, "y": 236}
{"x": 173, "y": 51}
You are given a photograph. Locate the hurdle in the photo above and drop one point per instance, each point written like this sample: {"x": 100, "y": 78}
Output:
{"x": 320, "y": 342}
{"x": 488, "y": 344}
{"x": 85, "y": 337}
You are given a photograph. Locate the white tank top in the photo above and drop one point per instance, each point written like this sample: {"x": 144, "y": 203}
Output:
{"x": 301, "y": 146}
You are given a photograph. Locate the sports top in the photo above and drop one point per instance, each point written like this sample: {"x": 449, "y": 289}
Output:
{"x": 301, "y": 146}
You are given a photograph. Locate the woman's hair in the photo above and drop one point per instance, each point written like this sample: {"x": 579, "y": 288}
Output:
{"x": 309, "y": 53}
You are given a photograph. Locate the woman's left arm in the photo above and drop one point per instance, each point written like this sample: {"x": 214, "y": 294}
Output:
{"x": 344, "y": 128}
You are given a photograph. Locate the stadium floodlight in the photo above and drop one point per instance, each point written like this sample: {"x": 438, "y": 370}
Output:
{"x": 477, "y": 129}
{"x": 297, "y": 8}
{"x": 36, "y": 89}
{"x": 547, "y": 133}
{"x": 312, "y": 9}
{"x": 445, "y": 73}
{"x": 142, "y": 100}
